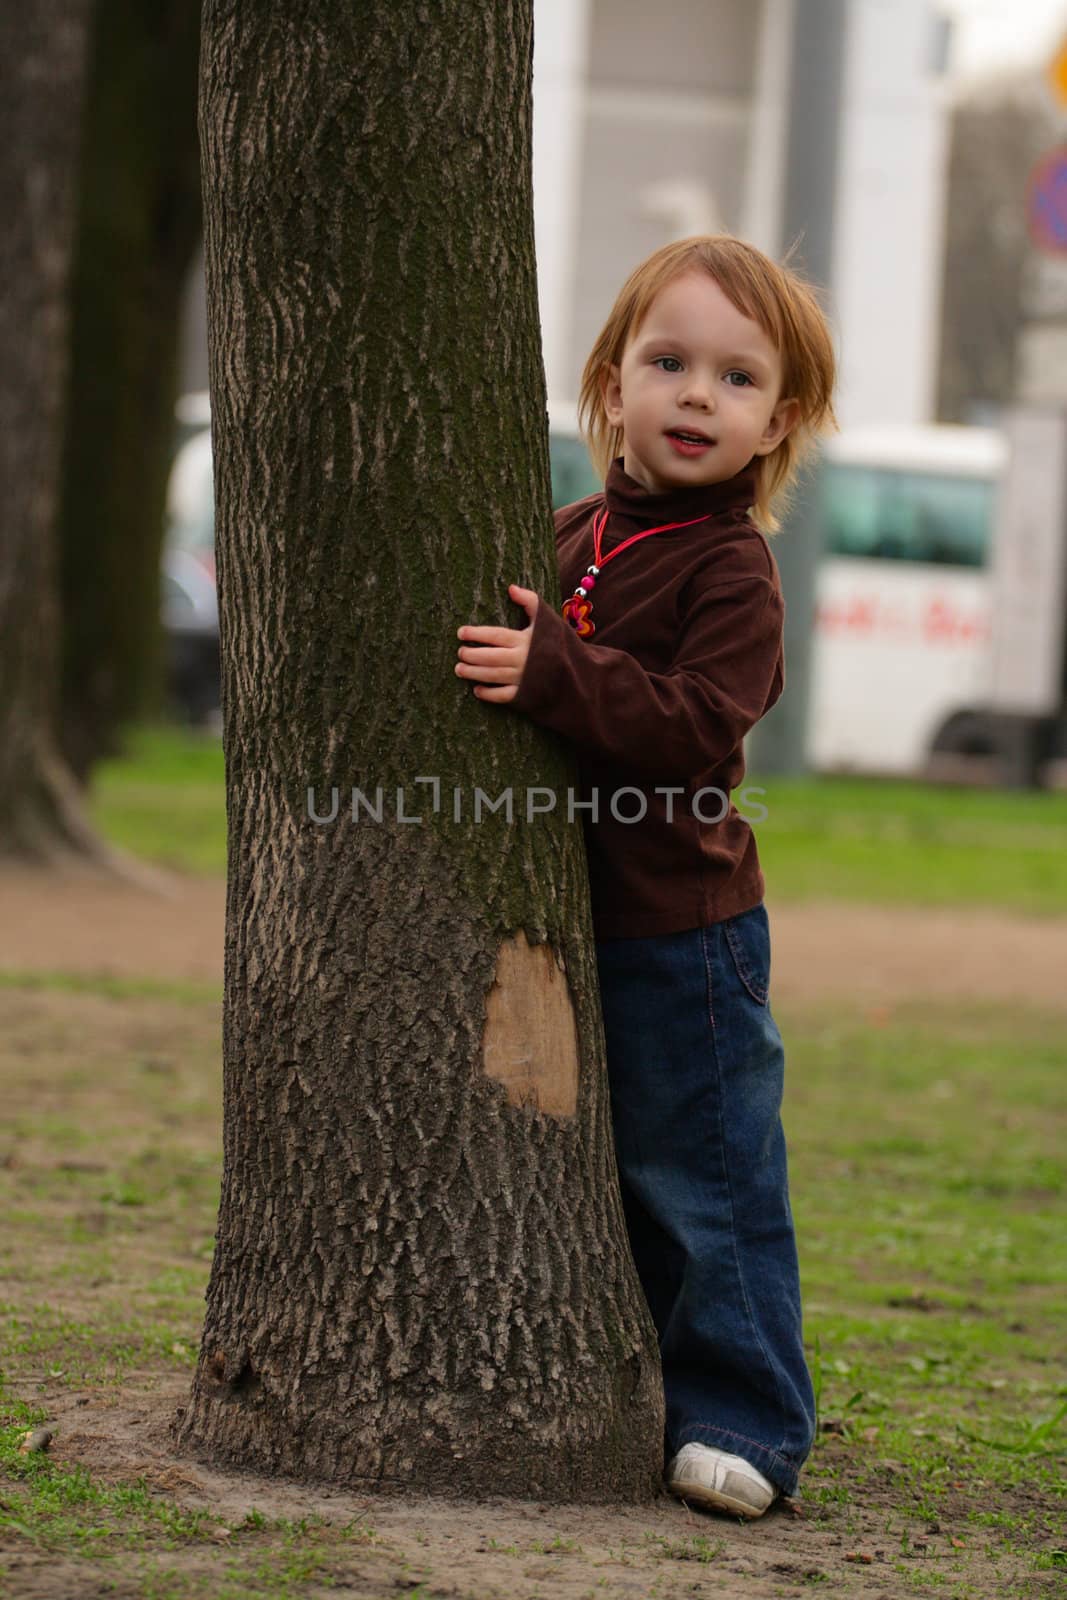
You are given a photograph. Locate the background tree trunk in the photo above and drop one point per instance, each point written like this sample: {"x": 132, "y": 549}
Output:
{"x": 137, "y": 230}
{"x": 998, "y": 133}
{"x": 422, "y": 1276}
{"x": 42, "y": 61}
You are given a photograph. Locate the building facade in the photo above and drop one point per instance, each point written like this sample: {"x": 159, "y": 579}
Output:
{"x": 653, "y": 122}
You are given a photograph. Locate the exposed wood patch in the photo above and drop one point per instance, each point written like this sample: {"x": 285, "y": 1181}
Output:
{"x": 530, "y": 1041}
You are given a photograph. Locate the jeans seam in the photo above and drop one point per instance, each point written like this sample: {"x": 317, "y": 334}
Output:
{"x": 737, "y": 955}
{"x": 730, "y": 1191}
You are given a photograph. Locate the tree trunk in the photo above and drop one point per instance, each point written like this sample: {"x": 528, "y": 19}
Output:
{"x": 422, "y": 1277}
{"x": 997, "y": 134}
{"x": 137, "y": 230}
{"x": 42, "y": 59}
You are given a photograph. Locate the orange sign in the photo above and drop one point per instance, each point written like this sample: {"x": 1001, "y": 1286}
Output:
{"x": 1057, "y": 74}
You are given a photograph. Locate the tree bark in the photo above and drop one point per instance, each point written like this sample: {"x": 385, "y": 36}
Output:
{"x": 422, "y": 1277}
{"x": 138, "y": 226}
{"x": 42, "y": 62}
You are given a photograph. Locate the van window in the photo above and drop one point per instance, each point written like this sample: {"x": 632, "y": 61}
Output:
{"x": 572, "y": 471}
{"x": 896, "y": 515}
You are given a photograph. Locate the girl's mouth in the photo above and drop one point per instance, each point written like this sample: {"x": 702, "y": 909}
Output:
{"x": 688, "y": 444}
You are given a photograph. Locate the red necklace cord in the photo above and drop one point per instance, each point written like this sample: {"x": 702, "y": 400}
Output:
{"x": 578, "y": 609}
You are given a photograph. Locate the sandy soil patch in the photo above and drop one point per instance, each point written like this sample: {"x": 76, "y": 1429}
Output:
{"x": 821, "y": 949}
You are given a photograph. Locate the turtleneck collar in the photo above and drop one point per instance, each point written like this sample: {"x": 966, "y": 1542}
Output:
{"x": 628, "y": 499}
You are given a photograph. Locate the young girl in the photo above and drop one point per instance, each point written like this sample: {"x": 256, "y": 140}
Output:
{"x": 705, "y": 391}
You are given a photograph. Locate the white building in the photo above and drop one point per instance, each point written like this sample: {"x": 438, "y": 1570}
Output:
{"x": 655, "y": 121}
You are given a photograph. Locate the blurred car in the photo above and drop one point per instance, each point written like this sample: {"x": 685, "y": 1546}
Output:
{"x": 191, "y": 629}
{"x": 188, "y": 598}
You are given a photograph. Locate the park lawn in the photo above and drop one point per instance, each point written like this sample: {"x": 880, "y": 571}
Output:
{"x": 928, "y": 1192}
{"x": 823, "y": 837}
{"x": 164, "y": 798}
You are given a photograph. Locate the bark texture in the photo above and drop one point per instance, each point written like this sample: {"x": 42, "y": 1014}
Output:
{"x": 42, "y": 63}
{"x": 137, "y": 228}
{"x": 422, "y": 1277}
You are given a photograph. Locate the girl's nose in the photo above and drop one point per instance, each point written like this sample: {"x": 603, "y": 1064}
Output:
{"x": 696, "y": 393}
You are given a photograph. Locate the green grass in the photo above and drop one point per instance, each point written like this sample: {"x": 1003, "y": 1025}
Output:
{"x": 165, "y": 799}
{"x": 927, "y": 1182}
{"x": 110, "y": 1179}
{"x": 698, "y": 1547}
{"x": 833, "y": 838}
{"x": 897, "y": 842}
{"x": 927, "y": 1174}
{"x": 111, "y": 987}
{"x": 60, "y": 1509}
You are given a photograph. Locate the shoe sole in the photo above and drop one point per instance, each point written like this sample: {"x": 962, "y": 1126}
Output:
{"x": 703, "y": 1496}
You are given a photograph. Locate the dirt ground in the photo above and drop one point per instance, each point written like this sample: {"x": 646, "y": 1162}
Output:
{"x": 498, "y": 1549}
{"x": 821, "y": 950}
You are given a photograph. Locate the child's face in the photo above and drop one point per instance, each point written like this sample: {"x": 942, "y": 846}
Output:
{"x": 696, "y": 364}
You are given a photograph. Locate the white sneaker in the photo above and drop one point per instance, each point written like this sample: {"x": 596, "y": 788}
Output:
{"x": 711, "y": 1477}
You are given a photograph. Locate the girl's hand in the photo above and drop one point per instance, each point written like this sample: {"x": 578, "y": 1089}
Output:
{"x": 498, "y": 655}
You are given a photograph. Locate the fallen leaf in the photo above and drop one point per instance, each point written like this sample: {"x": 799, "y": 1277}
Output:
{"x": 35, "y": 1439}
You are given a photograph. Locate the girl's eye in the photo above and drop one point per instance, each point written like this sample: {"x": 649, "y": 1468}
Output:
{"x": 738, "y": 374}
{"x": 677, "y": 364}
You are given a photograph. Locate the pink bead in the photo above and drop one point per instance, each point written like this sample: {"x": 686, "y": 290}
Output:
{"x": 587, "y": 583}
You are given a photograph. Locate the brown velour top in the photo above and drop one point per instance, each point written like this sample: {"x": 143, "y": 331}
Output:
{"x": 687, "y": 656}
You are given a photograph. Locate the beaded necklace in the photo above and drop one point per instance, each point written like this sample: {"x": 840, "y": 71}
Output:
{"x": 578, "y": 609}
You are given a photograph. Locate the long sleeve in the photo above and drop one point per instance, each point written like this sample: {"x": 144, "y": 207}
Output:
{"x": 676, "y": 724}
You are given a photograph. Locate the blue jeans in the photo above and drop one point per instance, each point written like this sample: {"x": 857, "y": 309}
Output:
{"x": 696, "y": 1064}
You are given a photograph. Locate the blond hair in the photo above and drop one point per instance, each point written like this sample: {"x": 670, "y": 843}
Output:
{"x": 775, "y": 297}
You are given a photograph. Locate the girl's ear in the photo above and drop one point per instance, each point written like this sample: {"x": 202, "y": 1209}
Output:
{"x": 611, "y": 394}
{"x": 783, "y": 420}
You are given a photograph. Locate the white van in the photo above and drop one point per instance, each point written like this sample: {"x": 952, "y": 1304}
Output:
{"x": 902, "y": 669}
{"x": 902, "y": 666}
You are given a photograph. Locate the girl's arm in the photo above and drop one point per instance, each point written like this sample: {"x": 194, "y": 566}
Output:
{"x": 727, "y": 672}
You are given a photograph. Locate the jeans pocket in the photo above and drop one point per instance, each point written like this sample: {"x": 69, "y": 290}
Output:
{"x": 748, "y": 938}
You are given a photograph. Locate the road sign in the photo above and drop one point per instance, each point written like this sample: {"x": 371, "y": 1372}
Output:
{"x": 1046, "y": 202}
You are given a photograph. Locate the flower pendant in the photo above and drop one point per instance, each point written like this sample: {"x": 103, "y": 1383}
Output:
{"x": 577, "y": 612}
